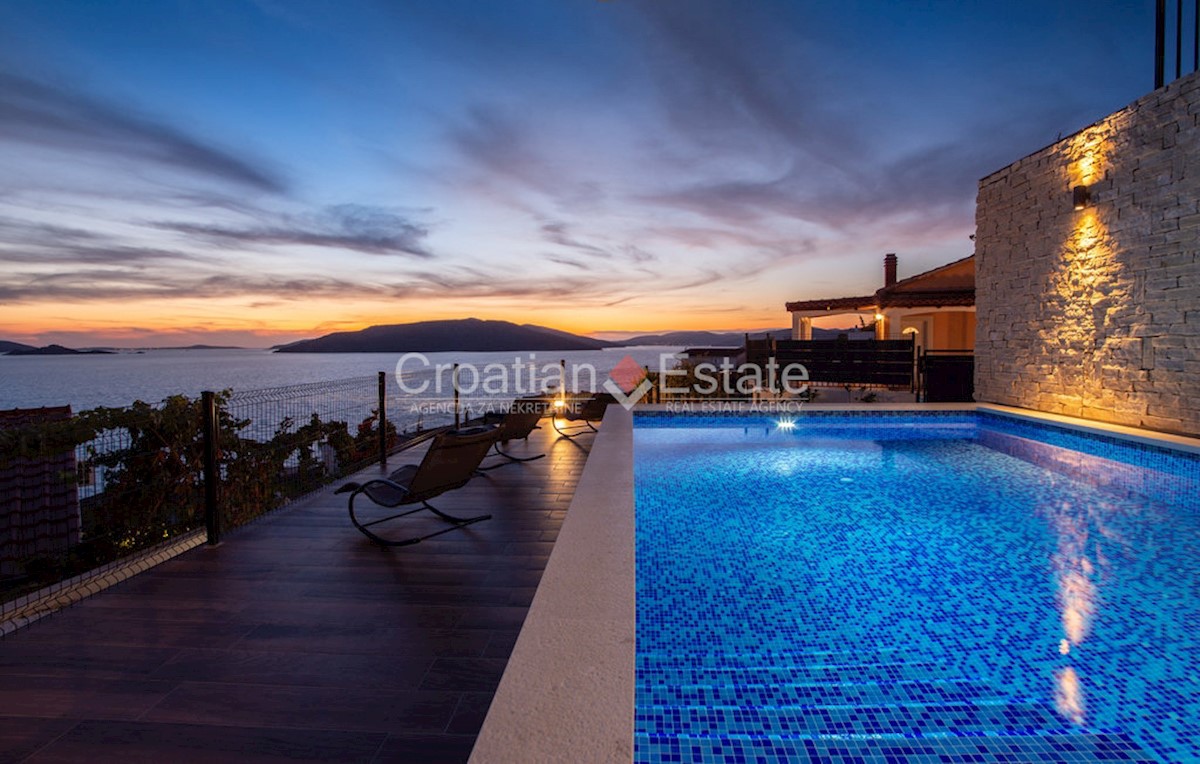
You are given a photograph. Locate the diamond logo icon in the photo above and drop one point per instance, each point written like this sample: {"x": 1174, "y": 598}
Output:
{"x": 627, "y": 374}
{"x": 627, "y": 382}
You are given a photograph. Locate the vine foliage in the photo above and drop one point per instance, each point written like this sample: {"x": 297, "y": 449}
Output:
{"x": 140, "y": 469}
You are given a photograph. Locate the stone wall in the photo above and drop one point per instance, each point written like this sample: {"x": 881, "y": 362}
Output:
{"x": 1096, "y": 312}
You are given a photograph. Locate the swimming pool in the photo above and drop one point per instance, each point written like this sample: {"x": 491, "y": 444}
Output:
{"x": 913, "y": 588}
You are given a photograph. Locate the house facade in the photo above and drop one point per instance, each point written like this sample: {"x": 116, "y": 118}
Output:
{"x": 936, "y": 308}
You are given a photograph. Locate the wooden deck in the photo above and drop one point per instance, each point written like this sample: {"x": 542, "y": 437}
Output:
{"x": 297, "y": 639}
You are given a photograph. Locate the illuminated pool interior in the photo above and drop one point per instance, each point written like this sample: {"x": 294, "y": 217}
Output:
{"x": 913, "y": 588}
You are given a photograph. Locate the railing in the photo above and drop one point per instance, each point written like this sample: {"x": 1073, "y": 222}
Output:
{"x": 1178, "y": 22}
{"x": 276, "y": 444}
{"x": 947, "y": 376}
{"x": 79, "y": 492}
{"x": 869, "y": 363}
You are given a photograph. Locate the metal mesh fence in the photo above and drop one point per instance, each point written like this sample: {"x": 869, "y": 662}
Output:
{"x": 81, "y": 491}
{"x": 279, "y": 443}
{"x": 78, "y": 492}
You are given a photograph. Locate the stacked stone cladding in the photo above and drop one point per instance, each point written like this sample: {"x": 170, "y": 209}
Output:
{"x": 1095, "y": 313}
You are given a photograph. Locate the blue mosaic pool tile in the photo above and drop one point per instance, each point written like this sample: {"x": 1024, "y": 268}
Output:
{"x": 824, "y": 693}
{"x": 914, "y": 589}
{"x": 906, "y": 720}
{"x": 1048, "y": 749}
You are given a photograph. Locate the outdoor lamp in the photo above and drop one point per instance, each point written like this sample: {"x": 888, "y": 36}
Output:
{"x": 1081, "y": 197}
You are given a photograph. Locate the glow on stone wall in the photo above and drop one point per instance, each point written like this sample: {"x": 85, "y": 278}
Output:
{"x": 1088, "y": 278}
{"x": 1086, "y": 287}
{"x": 1087, "y": 154}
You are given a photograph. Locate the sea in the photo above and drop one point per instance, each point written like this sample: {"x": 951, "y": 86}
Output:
{"x": 119, "y": 379}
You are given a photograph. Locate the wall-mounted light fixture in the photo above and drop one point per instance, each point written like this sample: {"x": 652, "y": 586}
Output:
{"x": 1081, "y": 197}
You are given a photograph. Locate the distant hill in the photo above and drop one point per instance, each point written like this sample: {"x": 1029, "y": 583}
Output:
{"x": 56, "y": 350}
{"x": 8, "y": 347}
{"x": 466, "y": 335}
{"x": 199, "y": 347}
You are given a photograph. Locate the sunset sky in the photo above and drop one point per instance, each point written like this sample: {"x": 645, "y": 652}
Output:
{"x": 249, "y": 172}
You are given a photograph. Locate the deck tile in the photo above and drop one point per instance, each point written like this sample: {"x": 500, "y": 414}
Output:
{"x": 197, "y": 744}
{"x": 20, "y": 737}
{"x": 365, "y": 709}
{"x": 464, "y": 674}
{"x": 79, "y": 696}
{"x": 426, "y": 749}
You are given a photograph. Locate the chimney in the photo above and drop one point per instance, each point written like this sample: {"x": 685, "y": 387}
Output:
{"x": 889, "y": 269}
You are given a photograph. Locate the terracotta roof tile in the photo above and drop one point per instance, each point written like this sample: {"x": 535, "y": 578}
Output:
{"x": 841, "y": 304}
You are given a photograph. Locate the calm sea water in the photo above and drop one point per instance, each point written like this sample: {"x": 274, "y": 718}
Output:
{"x": 116, "y": 380}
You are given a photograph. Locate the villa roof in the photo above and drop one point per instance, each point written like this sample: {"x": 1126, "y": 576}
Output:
{"x": 945, "y": 299}
{"x": 22, "y": 417}
{"x": 952, "y": 284}
{"x": 836, "y": 304}
{"x": 949, "y": 285}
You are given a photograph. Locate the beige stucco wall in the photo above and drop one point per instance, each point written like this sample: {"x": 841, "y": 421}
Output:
{"x": 1096, "y": 313}
{"x": 950, "y": 329}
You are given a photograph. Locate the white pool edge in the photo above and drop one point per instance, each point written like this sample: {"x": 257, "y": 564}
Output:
{"x": 567, "y": 693}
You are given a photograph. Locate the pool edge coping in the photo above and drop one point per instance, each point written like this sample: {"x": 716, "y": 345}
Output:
{"x": 569, "y": 684}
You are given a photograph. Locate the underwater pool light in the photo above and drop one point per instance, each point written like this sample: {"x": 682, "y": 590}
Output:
{"x": 785, "y": 424}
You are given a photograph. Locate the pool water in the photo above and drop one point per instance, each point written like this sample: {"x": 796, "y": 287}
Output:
{"x": 913, "y": 588}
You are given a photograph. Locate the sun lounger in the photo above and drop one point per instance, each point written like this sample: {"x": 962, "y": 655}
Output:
{"x": 452, "y": 460}
{"x": 582, "y": 413}
{"x": 517, "y": 423}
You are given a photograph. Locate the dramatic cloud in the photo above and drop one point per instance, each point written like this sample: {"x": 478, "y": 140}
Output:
{"x": 784, "y": 129}
{"x": 99, "y": 284}
{"x": 356, "y": 227}
{"x": 36, "y": 113}
{"x": 726, "y": 95}
{"x": 615, "y": 163}
{"x": 500, "y": 147}
{"x": 45, "y": 243}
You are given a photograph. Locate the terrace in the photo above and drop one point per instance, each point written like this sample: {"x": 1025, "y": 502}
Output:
{"x": 296, "y": 638}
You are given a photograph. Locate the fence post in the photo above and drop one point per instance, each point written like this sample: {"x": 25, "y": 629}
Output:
{"x": 916, "y": 372}
{"x": 919, "y": 387}
{"x": 1160, "y": 42}
{"x": 457, "y": 412}
{"x": 383, "y": 438}
{"x": 212, "y": 475}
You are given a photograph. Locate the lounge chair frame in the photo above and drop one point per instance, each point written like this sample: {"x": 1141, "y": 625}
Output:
{"x": 452, "y": 460}
{"x": 517, "y": 423}
{"x": 591, "y": 409}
